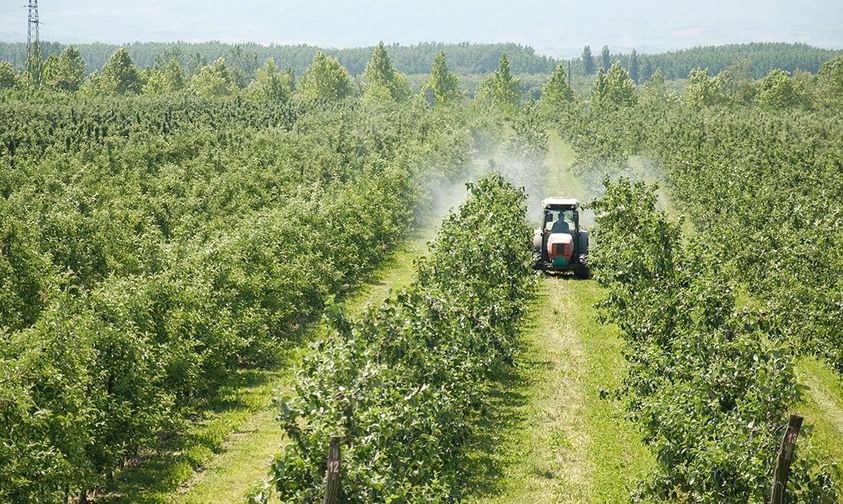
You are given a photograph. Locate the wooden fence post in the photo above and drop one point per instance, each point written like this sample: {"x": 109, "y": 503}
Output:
{"x": 783, "y": 459}
{"x": 332, "y": 475}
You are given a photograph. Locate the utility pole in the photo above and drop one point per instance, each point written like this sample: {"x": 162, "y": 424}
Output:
{"x": 33, "y": 45}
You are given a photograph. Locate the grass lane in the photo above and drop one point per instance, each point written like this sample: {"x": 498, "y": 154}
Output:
{"x": 821, "y": 403}
{"x": 551, "y": 436}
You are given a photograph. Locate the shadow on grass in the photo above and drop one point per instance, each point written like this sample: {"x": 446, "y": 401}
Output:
{"x": 157, "y": 473}
{"x": 501, "y": 418}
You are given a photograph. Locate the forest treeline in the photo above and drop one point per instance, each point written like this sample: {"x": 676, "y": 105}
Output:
{"x": 757, "y": 59}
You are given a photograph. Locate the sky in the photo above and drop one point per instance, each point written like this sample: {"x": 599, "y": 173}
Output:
{"x": 558, "y": 28}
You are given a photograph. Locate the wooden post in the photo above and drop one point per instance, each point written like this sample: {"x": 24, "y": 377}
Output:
{"x": 332, "y": 475}
{"x": 784, "y": 458}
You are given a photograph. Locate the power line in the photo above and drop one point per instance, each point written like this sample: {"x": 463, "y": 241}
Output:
{"x": 33, "y": 43}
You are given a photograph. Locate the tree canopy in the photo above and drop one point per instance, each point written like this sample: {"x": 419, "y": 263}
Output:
{"x": 780, "y": 90}
{"x": 703, "y": 90}
{"x": 214, "y": 81}
{"x": 587, "y": 61}
{"x": 325, "y": 79}
{"x": 8, "y": 76}
{"x": 120, "y": 75}
{"x": 614, "y": 88}
{"x": 271, "y": 84}
{"x": 167, "y": 79}
{"x": 381, "y": 80}
{"x": 557, "y": 92}
{"x": 830, "y": 82}
{"x": 443, "y": 83}
{"x": 501, "y": 88}
{"x": 65, "y": 72}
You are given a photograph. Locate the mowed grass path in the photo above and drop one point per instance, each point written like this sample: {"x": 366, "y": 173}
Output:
{"x": 558, "y": 439}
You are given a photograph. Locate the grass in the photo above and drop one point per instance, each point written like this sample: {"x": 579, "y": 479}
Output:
{"x": 821, "y": 403}
{"x": 549, "y": 435}
{"x": 621, "y": 459}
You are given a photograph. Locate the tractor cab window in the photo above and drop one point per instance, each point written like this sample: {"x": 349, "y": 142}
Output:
{"x": 559, "y": 220}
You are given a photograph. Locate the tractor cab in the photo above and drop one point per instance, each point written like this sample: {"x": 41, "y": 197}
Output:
{"x": 559, "y": 244}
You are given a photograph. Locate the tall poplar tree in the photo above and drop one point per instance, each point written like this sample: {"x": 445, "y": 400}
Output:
{"x": 501, "y": 88}
{"x": 65, "y": 72}
{"x": 556, "y": 92}
{"x": 443, "y": 83}
{"x": 634, "y": 67}
{"x": 587, "y": 61}
{"x": 120, "y": 75}
{"x": 8, "y": 76}
{"x": 381, "y": 80}
{"x": 325, "y": 79}
{"x": 614, "y": 88}
{"x": 605, "y": 58}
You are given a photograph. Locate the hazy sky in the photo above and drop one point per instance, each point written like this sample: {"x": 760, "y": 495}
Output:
{"x": 552, "y": 27}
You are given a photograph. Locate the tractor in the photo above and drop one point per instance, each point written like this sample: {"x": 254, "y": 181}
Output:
{"x": 559, "y": 244}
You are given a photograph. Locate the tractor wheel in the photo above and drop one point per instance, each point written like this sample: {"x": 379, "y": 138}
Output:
{"x": 582, "y": 272}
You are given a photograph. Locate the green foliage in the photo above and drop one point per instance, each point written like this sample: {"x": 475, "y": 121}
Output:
{"x": 830, "y": 83}
{"x": 27, "y": 278}
{"x": 324, "y": 80}
{"x": 634, "y": 70}
{"x": 381, "y": 81}
{"x": 758, "y": 276}
{"x": 556, "y": 92}
{"x": 120, "y": 75}
{"x": 647, "y": 72}
{"x": 785, "y": 201}
{"x": 8, "y": 76}
{"x": 655, "y": 90}
{"x": 614, "y": 89}
{"x": 271, "y": 85}
{"x": 65, "y": 72}
{"x": 444, "y": 84}
{"x": 704, "y": 91}
{"x": 710, "y": 389}
{"x": 587, "y": 61}
{"x": 762, "y": 58}
{"x": 403, "y": 386}
{"x": 464, "y": 59}
{"x": 214, "y": 81}
{"x": 168, "y": 79}
{"x": 247, "y": 58}
{"x": 781, "y": 91}
{"x": 150, "y": 245}
{"x": 501, "y": 88}
{"x": 605, "y": 59}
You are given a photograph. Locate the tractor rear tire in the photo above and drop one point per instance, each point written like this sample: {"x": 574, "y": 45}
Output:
{"x": 582, "y": 272}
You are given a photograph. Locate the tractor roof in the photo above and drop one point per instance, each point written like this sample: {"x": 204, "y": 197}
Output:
{"x": 560, "y": 202}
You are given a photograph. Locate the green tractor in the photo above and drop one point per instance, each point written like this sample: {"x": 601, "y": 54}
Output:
{"x": 560, "y": 244}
